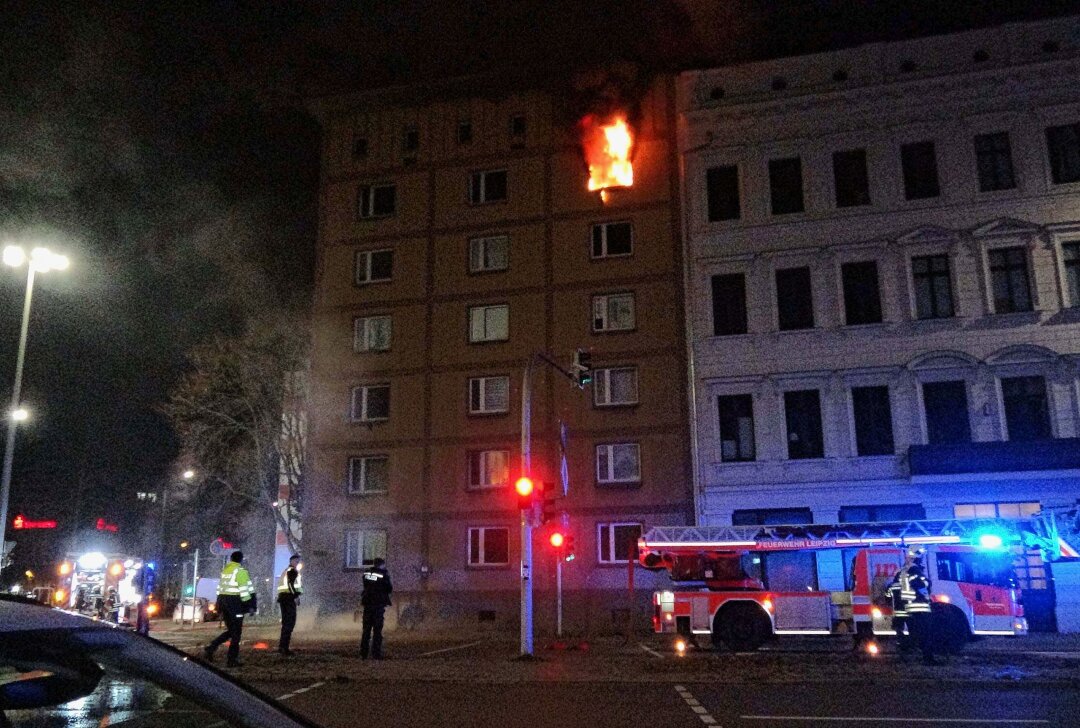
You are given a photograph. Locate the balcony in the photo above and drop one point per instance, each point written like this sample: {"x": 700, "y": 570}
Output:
{"x": 995, "y": 457}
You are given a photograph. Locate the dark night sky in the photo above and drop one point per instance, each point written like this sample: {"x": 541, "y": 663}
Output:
{"x": 165, "y": 148}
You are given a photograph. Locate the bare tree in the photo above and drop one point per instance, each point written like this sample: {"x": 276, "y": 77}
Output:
{"x": 239, "y": 413}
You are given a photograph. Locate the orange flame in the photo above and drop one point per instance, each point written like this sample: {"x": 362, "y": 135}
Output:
{"x": 608, "y": 144}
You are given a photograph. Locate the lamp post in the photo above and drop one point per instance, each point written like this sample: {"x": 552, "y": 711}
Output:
{"x": 40, "y": 260}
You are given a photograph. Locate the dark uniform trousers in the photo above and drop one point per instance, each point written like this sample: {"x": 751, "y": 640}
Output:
{"x": 287, "y": 602}
{"x": 373, "y": 624}
{"x": 232, "y": 610}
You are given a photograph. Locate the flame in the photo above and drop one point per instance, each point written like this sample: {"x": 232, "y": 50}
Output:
{"x": 608, "y": 144}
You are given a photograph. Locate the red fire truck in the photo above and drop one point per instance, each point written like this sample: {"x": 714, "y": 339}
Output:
{"x": 720, "y": 589}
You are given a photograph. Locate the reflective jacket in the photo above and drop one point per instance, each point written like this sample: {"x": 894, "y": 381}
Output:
{"x": 896, "y": 598}
{"x": 235, "y": 582}
{"x": 377, "y": 587}
{"x": 916, "y": 593}
{"x": 290, "y": 582}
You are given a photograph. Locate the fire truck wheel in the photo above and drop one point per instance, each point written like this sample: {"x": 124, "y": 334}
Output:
{"x": 950, "y": 628}
{"x": 742, "y": 626}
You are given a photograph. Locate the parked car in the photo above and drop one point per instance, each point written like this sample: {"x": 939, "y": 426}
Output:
{"x": 58, "y": 668}
{"x": 205, "y": 611}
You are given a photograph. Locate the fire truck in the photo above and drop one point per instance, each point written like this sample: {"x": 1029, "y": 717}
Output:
{"x": 721, "y": 590}
{"x": 109, "y": 586}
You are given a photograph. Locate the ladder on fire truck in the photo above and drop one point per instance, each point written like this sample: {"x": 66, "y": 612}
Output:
{"x": 1038, "y": 532}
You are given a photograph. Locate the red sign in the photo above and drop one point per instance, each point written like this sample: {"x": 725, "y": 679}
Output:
{"x": 102, "y": 525}
{"x": 20, "y": 523}
{"x": 795, "y": 544}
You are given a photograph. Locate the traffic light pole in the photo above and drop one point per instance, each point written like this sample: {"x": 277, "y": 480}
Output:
{"x": 526, "y": 514}
{"x": 558, "y": 599}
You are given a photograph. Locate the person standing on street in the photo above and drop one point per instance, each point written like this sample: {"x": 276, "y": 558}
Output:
{"x": 288, "y": 595}
{"x": 236, "y": 597}
{"x": 899, "y": 611}
{"x": 917, "y": 602}
{"x": 375, "y": 599}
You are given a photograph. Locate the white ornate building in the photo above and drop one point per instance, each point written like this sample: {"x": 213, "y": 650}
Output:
{"x": 883, "y": 283}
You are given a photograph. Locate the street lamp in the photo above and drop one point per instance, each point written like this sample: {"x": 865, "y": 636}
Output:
{"x": 40, "y": 260}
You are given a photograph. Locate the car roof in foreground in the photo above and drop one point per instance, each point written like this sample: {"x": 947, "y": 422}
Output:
{"x": 19, "y": 615}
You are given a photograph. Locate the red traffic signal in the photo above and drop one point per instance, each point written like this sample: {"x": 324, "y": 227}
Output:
{"x": 556, "y": 540}
{"x": 568, "y": 547}
{"x": 525, "y": 490}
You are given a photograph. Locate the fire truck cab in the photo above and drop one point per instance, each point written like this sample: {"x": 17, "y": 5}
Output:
{"x": 716, "y": 592}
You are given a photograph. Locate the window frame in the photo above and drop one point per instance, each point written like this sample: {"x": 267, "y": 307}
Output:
{"x": 611, "y": 526}
{"x": 368, "y": 257}
{"x": 1028, "y": 271}
{"x": 909, "y": 164}
{"x": 362, "y": 461}
{"x": 720, "y": 429}
{"x": 930, "y": 275}
{"x": 482, "y": 562}
{"x": 365, "y": 199}
{"x": 993, "y": 154}
{"x": 924, "y": 413}
{"x": 361, "y": 339}
{"x": 604, "y": 245}
{"x": 482, "y": 240}
{"x": 479, "y": 181}
{"x": 482, "y": 460}
{"x": 1008, "y": 431}
{"x": 485, "y": 308}
{"x": 364, "y": 394}
{"x": 607, "y": 299}
{"x": 362, "y": 534}
{"x": 609, "y": 447}
{"x": 481, "y": 384}
{"x": 604, "y": 373}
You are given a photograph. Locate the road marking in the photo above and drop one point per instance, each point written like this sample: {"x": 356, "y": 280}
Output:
{"x": 694, "y": 705}
{"x": 301, "y": 691}
{"x": 650, "y": 650}
{"x": 451, "y": 649}
{"x": 876, "y": 719}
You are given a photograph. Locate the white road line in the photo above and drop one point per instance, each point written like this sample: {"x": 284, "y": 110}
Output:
{"x": 878, "y": 719}
{"x": 654, "y": 653}
{"x": 694, "y": 705}
{"x": 451, "y": 649}
{"x": 300, "y": 691}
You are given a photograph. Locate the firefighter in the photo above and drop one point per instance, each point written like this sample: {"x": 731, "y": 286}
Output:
{"x": 916, "y": 594}
{"x": 236, "y": 597}
{"x": 288, "y": 596}
{"x": 899, "y": 610}
{"x": 375, "y": 599}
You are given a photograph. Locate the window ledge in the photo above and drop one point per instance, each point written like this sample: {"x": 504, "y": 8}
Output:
{"x": 744, "y": 464}
{"x": 808, "y": 330}
{"x": 734, "y": 337}
{"x": 366, "y": 493}
{"x": 485, "y": 488}
{"x": 617, "y": 406}
{"x": 872, "y": 326}
{"x": 358, "y": 421}
{"x": 618, "y": 485}
{"x": 499, "y": 413}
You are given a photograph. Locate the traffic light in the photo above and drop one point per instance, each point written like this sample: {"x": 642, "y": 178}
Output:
{"x": 582, "y": 367}
{"x": 568, "y": 547}
{"x": 556, "y": 539}
{"x": 547, "y": 502}
{"x": 524, "y": 487}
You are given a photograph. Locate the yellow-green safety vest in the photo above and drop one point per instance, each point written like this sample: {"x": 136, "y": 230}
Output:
{"x": 283, "y": 583}
{"x": 235, "y": 582}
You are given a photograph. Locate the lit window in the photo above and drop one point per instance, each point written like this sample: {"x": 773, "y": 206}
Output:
{"x": 488, "y": 395}
{"x": 613, "y": 312}
{"x": 372, "y": 333}
{"x": 489, "y": 468}
{"x": 489, "y": 323}
{"x": 618, "y": 463}
{"x": 362, "y": 547}
{"x": 616, "y": 386}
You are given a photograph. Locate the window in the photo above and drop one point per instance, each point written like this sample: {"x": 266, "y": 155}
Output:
{"x": 794, "y": 299}
{"x": 614, "y": 312}
{"x": 410, "y": 141}
{"x": 802, "y": 410}
{"x": 489, "y": 468}
{"x": 610, "y": 239}
{"x": 946, "y": 409}
{"x": 882, "y": 514}
{"x": 487, "y": 187}
{"x": 616, "y": 386}
{"x": 489, "y": 546}
{"x": 1028, "y": 565}
{"x": 517, "y": 126}
{"x": 374, "y": 266}
{"x": 369, "y": 474}
{"x": 359, "y": 148}
{"x": 371, "y": 402}
{"x": 1027, "y": 413}
{"x": 873, "y": 420}
{"x": 722, "y": 191}
{"x": 464, "y": 132}
{"x": 372, "y": 333}
{"x": 789, "y": 572}
{"x": 376, "y": 201}
{"x": 933, "y": 289}
{"x": 919, "y": 162}
{"x": 1009, "y": 280}
{"x": 362, "y": 547}
{"x": 785, "y": 185}
{"x": 772, "y": 517}
{"x": 1063, "y": 146}
{"x": 616, "y": 543}
{"x": 736, "y": 428}
{"x": 489, "y": 254}
{"x": 489, "y": 323}
{"x": 997, "y": 510}
{"x": 729, "y": 304}
{"x": 993, "y": 156}
{"x": 1070, "y": 252}
{"x": 488, "y": 395}
{"x": 862, "y": 299}
{"x": 618, "y": 463}
{"x": 850, "y": 178}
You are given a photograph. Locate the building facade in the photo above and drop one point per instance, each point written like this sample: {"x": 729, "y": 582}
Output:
{"x": 883, "y": 275}
{"x": 458, "y": 239}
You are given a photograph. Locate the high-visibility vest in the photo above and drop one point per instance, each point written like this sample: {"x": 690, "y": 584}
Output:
{"x": 916, "y": 593}
{"x": 283, "y": 582}
{"x": 235, "y": 582}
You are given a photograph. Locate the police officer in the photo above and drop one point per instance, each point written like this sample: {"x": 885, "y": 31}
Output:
{"x": 375, "y": 598}
{"x": 288, "y": 595}
{"x": 236, "y": 597}
{"x": 916, "y": 595}
{"x": 899, "y": 610}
